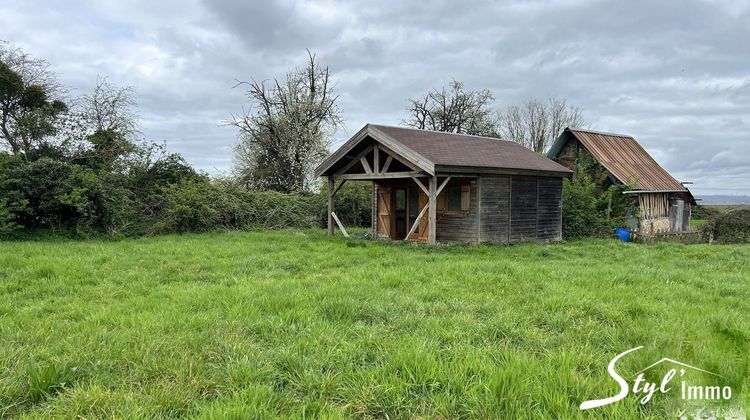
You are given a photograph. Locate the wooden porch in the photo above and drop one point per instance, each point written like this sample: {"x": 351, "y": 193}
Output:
{"x": 406, "y": 194}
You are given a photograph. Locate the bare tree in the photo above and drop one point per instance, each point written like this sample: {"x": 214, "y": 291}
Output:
{"x": 111, "y": 108}
{"x": 287, "y": 130}
{"x": 454, "y": 110}
{"x": 536, "y": 123}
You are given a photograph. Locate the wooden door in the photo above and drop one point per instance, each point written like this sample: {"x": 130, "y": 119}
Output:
{"x": 384, "y": 212}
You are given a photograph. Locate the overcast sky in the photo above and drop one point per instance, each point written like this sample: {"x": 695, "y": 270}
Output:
{"x": 676, "y": 75}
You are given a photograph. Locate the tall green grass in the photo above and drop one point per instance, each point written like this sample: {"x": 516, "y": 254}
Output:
{"x": 293, "y": 324}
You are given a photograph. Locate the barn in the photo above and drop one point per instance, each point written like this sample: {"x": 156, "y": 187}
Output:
{"x": 663, "y": 202}
{"x": 431, "y": 186}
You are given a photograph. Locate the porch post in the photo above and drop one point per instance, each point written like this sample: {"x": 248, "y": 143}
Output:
{"x": 330, "y": 205}
{"x": 432, "y": 211}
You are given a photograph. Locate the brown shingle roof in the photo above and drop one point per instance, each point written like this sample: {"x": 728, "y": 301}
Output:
{"x": 624, "y": 158}
{"x": 450, "y": 149}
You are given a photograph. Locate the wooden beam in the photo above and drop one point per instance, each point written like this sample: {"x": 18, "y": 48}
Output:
{"x": 338, "y": 222}
{"x": 376, "y": 158}
{"x": 384, "y": 175}
{"x": 330, "y": 205}
{"x": 341, "y": 184}
{"x": 432, "y": 205}
{"x": 365, "y": 164}
{"x": 402, "y": 159}
{"x": 387, "y": 163}
{"x": 355, "y": 160}
{"x": 419, "y": 183}
{"x": 416, "y": 222}
{"x": 440, "y": 189}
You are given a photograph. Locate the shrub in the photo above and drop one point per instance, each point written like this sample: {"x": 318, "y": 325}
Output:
{"x": 580, "y": 212}
{"x": 49, "y": 193}
{"x": 6, "y": 218}
{"x": 353, "y": 203}
{"x": 188, "y": 205}
{"x": 200, "y": 204}
{"x": 592, "y": 205}
{"x": 731, "y": 228}
{"x": 700, "y": 212}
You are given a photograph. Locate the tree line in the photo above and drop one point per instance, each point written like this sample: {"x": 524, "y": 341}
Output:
{"x": 82, "y": 164}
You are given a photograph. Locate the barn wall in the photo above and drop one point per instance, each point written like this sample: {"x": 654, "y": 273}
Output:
{"x": 460, "y": 227}
{"x": 568, "y": 154}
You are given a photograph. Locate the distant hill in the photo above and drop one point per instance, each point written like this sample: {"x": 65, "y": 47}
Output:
{"x": 724, "y": 199}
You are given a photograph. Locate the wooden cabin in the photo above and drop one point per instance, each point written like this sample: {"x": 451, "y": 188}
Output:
{"x": 663, "y": 202}
{"x": 432, "y": 186}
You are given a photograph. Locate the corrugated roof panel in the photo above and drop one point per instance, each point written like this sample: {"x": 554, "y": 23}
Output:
{"x": 627, "y": 161}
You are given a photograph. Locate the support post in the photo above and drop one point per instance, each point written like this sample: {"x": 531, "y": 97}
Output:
{"x": 432, "y": 209}
{"x": 330, "y": 205}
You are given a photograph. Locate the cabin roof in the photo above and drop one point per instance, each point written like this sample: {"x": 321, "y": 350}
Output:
{"x": 436, "y": 148}
{"x": 623, "y": 157}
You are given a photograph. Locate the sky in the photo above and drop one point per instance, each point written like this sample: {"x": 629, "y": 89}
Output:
{"x": 674, "y": 74}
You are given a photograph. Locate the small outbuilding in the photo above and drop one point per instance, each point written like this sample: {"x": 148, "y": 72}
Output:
{"x": 432, "y": 186}
{"x": 663, "y": 202}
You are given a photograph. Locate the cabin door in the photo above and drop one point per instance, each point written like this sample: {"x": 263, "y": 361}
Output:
{"x": 384, "y": 212}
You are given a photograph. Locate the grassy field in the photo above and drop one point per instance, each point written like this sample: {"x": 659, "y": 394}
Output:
{"x": 293, "y": 324}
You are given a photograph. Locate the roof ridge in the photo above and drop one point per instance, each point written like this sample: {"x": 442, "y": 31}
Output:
{"x": 604, "y": 133}
{"x": 441, "y": 132}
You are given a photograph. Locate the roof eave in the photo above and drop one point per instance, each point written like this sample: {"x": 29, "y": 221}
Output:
{"x": 491, "y": 170}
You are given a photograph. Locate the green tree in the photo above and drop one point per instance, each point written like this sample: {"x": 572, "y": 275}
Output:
{"x": 287, "y": 131}
{"x": 29, "y": 103}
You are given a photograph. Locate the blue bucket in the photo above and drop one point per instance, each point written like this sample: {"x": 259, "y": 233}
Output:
{"x": 623, "y": 234}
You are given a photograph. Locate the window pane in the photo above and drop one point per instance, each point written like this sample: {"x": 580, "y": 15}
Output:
{"x": 454, "y": 198}
{"x": 400, "y": 199}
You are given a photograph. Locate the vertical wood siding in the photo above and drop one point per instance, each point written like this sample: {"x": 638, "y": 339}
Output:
{"x": 523, "y": 209}
{"x": 549, "y": 209}
{"x": 495, "y": 196}
{"x": 520, "y": 208}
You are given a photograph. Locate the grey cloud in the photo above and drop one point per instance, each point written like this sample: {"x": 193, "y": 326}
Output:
{"x": 674, "y": 74}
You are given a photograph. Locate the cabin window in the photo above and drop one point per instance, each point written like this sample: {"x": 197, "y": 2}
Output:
{"x": 454, "y": 198}
{"x": 458, "y": 197}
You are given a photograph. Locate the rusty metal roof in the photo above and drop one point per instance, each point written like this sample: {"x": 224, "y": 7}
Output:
{"x": 623, "y": 157}
{"x": 451, "y": 149}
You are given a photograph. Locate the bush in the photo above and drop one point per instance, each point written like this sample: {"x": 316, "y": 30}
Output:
{"x": 731, "y": 228}
{"x": 6, "y": 219}
{"x": 591, "y": 208}
{"x": 199, "y": 204}
{"x": 700, "y": 212}
{"x": 49, "y": 193}
{"x": 581, "y": 215}
{"x": 353, "y": 204}
{"x": 147, "y": 196}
